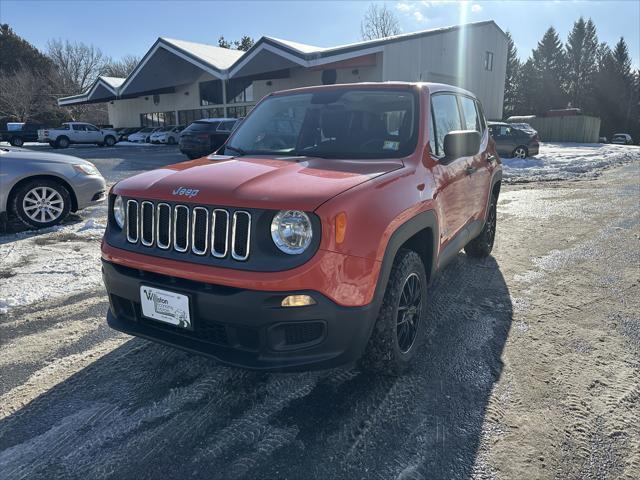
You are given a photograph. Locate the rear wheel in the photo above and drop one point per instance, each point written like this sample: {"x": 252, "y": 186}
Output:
{"x": 41, "y": 203}
{"x": 400, "y": 326}
{"x": 520, "y": 152}
{"x": 482, "y": 245}
{"x": 16, "y": 141}
{"x": 62, "y": 142}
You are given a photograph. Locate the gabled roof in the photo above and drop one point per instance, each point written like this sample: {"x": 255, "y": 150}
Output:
{"x": 103, "y": 89}
{"x": 217, "y": 57}
{"x": 187, "y": 60}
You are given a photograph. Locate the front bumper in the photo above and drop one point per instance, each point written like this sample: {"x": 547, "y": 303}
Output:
{"x": 245, "y": 328}
{"x": 89, "y": 190}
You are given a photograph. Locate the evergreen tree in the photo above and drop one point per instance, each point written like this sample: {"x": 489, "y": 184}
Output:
{"x": 511, "y": 82}
{"x": 581, "y": 49}
{"x": 624, "y": 95}
{"x": 16, "y": 53}
{"x": 549, "y": 63}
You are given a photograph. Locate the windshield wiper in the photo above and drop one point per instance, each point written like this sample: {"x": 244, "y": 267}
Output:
{"x": 240, "y": 151}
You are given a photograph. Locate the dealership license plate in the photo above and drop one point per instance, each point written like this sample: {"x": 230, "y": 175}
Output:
{"x": 165, "y": 306}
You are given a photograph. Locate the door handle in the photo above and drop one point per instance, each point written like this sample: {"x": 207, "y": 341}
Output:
{"x": 471, "y": 170}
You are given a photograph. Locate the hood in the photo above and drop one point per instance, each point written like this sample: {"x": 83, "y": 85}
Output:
{"x": 31, "y": 156}
{"x": 300, "y": 183}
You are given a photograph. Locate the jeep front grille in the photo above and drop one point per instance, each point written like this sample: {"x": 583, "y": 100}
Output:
{"x": 185, "y": 229}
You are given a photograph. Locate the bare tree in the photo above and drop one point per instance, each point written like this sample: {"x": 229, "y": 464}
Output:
{"x": 24, "y": 94}
{"x": 120, "y": 68}
{"x": 77, "y": 65}
{"x": 378, "y": 22}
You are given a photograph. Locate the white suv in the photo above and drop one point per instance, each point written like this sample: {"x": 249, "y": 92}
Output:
{"x": 77, "y": 132}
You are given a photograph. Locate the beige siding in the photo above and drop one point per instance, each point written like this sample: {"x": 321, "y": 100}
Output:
{"x": 301, "y": 77}
{"x": 126, "y": 113}
{"x": 435, "y": 59}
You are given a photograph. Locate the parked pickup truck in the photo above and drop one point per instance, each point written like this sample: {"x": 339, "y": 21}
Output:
{"x": 77, "y": 132}
{"x": 309, "y": 245}
{"x": 19, "y": 132}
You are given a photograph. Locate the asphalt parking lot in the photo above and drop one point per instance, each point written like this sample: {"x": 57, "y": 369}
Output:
{"x": 531, "y": 370}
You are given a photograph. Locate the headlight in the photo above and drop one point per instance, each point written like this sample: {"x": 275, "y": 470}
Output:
{"x": 118, "y": 211}
{"x": 291, "y": 231}
{"x": 86, "y": 169}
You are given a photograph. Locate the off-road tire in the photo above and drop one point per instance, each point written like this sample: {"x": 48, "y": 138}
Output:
{"x": 16, "y": 141}
{"x": 17, "y": 200}
{"x": 383, "y": 354}
{"x": 62, "y": 142}
{"x": 482, "y": 245}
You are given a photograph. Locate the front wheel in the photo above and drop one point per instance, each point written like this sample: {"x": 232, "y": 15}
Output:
{"x": 41, "y": 203}
{"x": 400, "y": 326}
{"x": 482, "y": 245}
{"x": 109, "y": 141}
{"x": 171, "y": 141}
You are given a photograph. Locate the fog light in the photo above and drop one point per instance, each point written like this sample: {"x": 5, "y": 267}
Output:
{"x": 297, "y": 301}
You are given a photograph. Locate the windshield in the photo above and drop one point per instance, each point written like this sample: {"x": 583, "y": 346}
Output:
{"x": 334, "y": 123}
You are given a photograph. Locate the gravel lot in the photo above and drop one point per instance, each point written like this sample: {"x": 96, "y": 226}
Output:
{"x": 532, "y": 369}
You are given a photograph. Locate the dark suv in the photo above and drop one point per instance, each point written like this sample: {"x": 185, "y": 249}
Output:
{"x": 205, "y": 136}
{"x": 514, "y": 142}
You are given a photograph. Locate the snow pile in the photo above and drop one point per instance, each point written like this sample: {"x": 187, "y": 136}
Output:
{"x": 565, "y": 161}
{"x": 51, "y": 263}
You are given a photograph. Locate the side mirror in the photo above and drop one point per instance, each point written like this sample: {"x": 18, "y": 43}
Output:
{"x": 461, "y": 143}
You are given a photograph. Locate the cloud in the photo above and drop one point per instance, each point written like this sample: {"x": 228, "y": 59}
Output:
{"x": 419, "y": 16}
{"x": 404, "y": 7}
{"x": 475, "y": 8}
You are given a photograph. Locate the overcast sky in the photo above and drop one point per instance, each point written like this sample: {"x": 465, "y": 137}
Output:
{"x": 119, "y": 27}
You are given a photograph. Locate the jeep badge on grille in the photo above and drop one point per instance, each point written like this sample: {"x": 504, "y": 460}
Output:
{"x": 186, "y": 192}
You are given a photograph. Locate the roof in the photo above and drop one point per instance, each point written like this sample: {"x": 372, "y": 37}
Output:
{"x": 223, "y": 63}
{"x": 218, "y": 57}
{"x": 114, "y": 82}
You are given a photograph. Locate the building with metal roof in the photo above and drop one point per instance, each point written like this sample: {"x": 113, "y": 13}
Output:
{"x": 177, "y": 81}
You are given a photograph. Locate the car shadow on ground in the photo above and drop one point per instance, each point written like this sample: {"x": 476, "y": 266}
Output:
{"x": 13, "y": 226}
{"x": 149, "y": 411}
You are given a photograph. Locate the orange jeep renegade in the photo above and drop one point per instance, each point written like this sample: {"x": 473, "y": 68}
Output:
{"x": 309, "y": 239}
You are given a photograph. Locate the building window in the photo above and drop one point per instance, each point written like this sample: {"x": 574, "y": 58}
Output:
{"x": 211, "y": 93}
{"x": 185, "y": 117}
{"x": 488, "y": 61}
{"x": 157, "y": 119}
{"x": 240, "y": 90}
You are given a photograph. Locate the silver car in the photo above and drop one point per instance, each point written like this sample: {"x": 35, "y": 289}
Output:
{"x": 40, "y": 189}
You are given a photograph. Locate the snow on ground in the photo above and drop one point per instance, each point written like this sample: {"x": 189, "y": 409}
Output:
{"x": 51, "y": 263}
{"x": 567, "y": 161}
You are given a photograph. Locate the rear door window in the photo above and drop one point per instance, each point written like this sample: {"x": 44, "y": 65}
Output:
{"x": 446, "y": 118}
